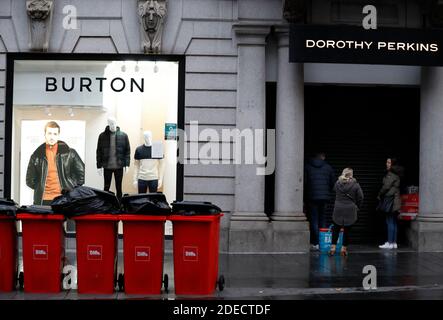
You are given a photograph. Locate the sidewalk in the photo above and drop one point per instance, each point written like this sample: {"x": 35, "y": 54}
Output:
{"x": 401, "y": 274}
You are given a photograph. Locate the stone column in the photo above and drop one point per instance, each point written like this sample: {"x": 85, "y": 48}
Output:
{"x": 427, "y": 231}
{"x": 291, "y": 230}
{"x": 250, "y": 227}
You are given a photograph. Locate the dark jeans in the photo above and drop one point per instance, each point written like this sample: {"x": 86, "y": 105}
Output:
{"x": 391, "y": 222}
{"x": 144, "y": 185}
{"x": 118, "y": 175}
{"x": 317, "y": 218}
{"x": 336, "y": 233}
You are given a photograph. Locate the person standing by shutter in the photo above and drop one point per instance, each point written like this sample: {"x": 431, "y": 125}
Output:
{"x": 390, "y": 201}
{"x": 319, "y": 181}
{"x": 348, "y": 200}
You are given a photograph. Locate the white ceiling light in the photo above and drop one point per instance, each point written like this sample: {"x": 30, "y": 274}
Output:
{"x": 155, "y": 67}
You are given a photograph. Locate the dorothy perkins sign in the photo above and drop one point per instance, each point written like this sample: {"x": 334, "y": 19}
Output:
{"x": 348, "y": 44}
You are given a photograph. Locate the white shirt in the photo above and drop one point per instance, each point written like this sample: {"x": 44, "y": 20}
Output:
{"x": 148, "y": 169}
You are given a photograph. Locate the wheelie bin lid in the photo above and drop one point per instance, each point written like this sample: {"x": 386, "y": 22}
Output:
{"x": 207, "y": 218}
{"x": 40, "y": 212}
{"x": 194, "y": 208}
{"x": 5, "y": 217}
{"x": 97, "y": 217}
{"x": 32, "y": 216}
{"x": 140, "y": 217}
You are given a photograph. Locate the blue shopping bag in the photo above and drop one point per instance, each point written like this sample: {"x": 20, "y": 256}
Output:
{"x": 325, "y": 240}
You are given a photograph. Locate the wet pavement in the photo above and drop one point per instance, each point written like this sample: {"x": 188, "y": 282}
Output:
{"x": 401, "y": 274}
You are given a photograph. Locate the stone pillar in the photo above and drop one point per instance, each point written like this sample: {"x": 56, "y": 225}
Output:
{"x": 426, "y": 232}
{"x": 291, "y": 229}
{"x": 250, "y": 230}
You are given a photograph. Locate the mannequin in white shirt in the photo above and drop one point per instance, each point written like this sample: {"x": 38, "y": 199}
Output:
{"x": 148, "y": 172}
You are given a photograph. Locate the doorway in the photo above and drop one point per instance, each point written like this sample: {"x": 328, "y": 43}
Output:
{"x": 359, "y": 127}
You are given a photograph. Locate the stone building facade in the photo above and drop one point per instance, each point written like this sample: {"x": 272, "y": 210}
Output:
{"x": 232, "y": 49}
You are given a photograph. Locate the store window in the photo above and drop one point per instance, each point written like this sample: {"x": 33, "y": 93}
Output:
{"x": 64, "y": 106}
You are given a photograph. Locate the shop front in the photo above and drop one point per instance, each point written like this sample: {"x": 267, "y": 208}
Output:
{"x": 71, "y": 103}
{"x": 230, "y": 65}
{"x": 362, "y": 133}
{"x": 362, "y": 119}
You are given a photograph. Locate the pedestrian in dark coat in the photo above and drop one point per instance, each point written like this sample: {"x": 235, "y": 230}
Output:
{"x": 319, "y": 183}
{"x": 348, "y": 200}
{"x": 390, "y": 200}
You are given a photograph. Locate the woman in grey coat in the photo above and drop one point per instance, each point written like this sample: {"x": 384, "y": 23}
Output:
{"x": 348, "y": 199}
{"x": 390, "y": 194}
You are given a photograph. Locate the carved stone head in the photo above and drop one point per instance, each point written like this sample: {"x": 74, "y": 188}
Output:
{"x": 152, "y": 17}
{"x": 152, "y": 14}
{"x": 39, "y": 9}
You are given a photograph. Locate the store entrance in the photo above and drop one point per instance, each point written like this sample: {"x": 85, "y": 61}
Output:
{"x": 359, "y": 127}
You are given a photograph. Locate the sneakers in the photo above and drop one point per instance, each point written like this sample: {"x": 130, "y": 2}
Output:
{"x": 315, "y": 247}
{"x": 388, "y": 245}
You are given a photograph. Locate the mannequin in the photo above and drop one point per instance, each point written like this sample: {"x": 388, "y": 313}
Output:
{"x": 113, "y": 155}
{"x": 149, "y": 172}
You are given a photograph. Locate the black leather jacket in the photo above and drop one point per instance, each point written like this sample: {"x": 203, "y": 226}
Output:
{"x": 70, "y": 170}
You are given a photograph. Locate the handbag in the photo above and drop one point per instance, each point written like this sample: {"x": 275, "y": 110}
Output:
{"x": 386, "y": 204}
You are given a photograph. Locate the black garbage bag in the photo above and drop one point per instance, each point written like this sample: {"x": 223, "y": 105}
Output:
{"x": 8, "y": 207}
{"x": 84, "y": 200}
{"x": 191, "y": 208}
{"x": 147, "y": 203}
{"x": 35, "y": 209}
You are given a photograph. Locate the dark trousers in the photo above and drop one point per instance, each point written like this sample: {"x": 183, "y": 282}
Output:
{"x": 144, "y": 185}
{"x": 317, "y": 218}
{"x": 336, "y": 233}
{"x": 118, "y": 175}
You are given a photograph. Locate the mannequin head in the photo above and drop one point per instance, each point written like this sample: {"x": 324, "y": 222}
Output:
{"x": 148, "y": 138}
{"x": 112, "y": 123}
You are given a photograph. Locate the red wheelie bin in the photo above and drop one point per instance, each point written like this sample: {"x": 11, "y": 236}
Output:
{"x": 196, "y": 250}
{"x": 96, "y": 253}
{"x": 43, "y": 252}
{"x": 8, "y": 253}
{"x": 143, "y": 242}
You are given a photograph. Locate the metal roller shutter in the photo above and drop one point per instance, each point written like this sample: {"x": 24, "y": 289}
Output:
{"x": 359, "y": 127}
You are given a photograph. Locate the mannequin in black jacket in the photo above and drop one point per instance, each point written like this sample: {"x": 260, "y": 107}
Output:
{"x": 113, "y": 155}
